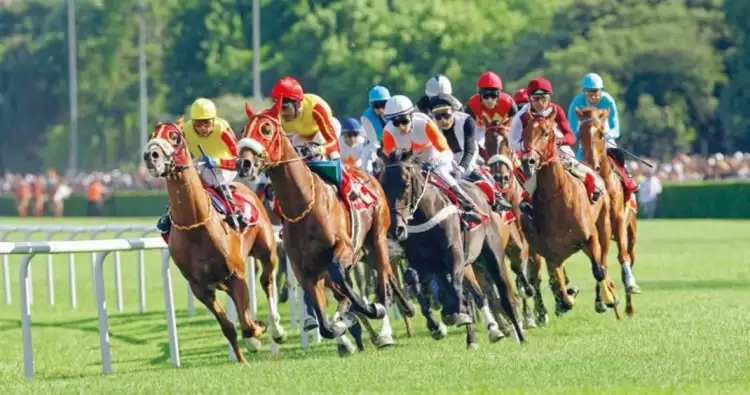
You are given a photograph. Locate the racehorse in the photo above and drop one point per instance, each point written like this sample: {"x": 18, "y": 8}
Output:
{"x": 435, "y": 243}
{"x": 502, "y": 162}
{"x": 208, "y": 251}
{"x": 622, "y": 210}
{"x": 564, "y": 218}
{"x": 323, "y": 234}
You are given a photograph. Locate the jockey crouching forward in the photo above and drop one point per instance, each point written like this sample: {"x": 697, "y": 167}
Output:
{"x": 355, "y": 150}
{"x": 460, "y": 132}
{"x": 219, "y": 143}
{"x": 372, "y": 118}
{"x": 593, "y": 95}
{"x": 308, "y": 118}
{"x": 540, "y": 93}
{"x": 437, "y": 85}
{"x": 490, "y": 104}
{"x": 406, "y": 130}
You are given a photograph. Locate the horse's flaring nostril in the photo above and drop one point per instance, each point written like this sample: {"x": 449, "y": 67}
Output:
{"x": 154, "y": 155}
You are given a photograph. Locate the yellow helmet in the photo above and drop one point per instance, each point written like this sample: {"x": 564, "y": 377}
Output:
{"x": 203, "y": 109}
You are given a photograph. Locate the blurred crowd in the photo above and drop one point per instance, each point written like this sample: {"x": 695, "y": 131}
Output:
{"x": 34, "y": 192}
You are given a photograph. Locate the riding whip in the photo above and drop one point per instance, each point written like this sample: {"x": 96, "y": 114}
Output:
{"x": 224, "y": 191}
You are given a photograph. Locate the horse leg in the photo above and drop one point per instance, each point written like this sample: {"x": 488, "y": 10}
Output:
{"x": 281, "y": 275}
{"x": 621, "y": 236}
{"x": 535, "y": 268}
{"x": 251, "y": 330}
{"x": 520, "y": 261}
{"x": 493, "y": 255}
{"x": 208, "y": 298}
{"x": 422, "y": 285}
{"x": 456, "y": 313}
{"x": 493, "y": 328}
{"x": 384, "y": 279}
{"x": 471, "y": 333}
{"x": 406, "y": 312}
{"x": 596, "y": 248}
{"x": 270, "y": 262}
{"x": 558, "y": 283}
{"x": 632, "y": 229}
{"x": 315, "y": 295}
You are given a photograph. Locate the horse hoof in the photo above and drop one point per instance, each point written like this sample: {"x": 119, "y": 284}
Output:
{"x": 472, "y": 346}
{"x": 252, "y": 344}
{"x": 310, "y": 324}
{"x": 529, "y": 323}
{"x": 633, "y": 289}
{"x": 463, "y": 319}
{"x": 440, "y": 332}
{"x": 345, "y": 350}
{"x": 280, "y": 336}
{"x": 496, "y": 335}
{"x": 338, "y": 328}
{"x": 450, "y": 319}
{"x": 600, "y": 307}
{"x": 380, "y": 311}
{"x": 529, "y": 292}
{"x": 542, "y": 319}
{"x": 614, "y": 303}
{"x": 411, "y": 310}
{"x": 572, "y": 292}
{"x": 384, "y": 341}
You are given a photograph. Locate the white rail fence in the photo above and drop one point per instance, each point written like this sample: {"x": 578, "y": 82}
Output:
{"x": 100, "y": 249}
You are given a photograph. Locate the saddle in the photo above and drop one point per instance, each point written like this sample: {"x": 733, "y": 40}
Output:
{"x": 243, "y": 204}
{"x": 629, "y": 186}
{"x": 486, "y": 189}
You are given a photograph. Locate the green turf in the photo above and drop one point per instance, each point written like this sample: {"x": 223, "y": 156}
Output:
{"x": 690, "y": 336}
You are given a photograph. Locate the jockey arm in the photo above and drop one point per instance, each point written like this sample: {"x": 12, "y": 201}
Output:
{"x": 578, "y": 102}
{"x": 370, "y": 134}
{"x": 470, "y": 144}
{"x": 516, "y": 133}
{"x": 613, "y": 120}
{"x": 322, "y": 118}
{"x": 562, "y": 123}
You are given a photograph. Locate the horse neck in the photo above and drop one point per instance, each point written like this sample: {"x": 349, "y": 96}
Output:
{"x": 430, "y": 202}
{"x": 606, "y": 167}
{"x": 550, "y": 179}
{"x": 291, "y": 180}
{"x": 188, "y": 202}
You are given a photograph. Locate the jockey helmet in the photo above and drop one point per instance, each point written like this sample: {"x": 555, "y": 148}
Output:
{"x": 378, "y": 93}
{"x": 287, "y": 88}
{"x": 203, "y": 109}
{"x": 398, "y": 105}
{"x": 539, "y": 85}
{"x": 592, "y": 81}
{"x": 521, "y": 96}
{"x": 489, "y": 80}
{"x": 351, "y": 125}
{"x": 437, "y": 85}
{"x": 442, "y": 101}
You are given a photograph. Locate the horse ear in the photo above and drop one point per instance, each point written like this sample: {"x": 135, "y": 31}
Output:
{"x": 249, "y": 110}
{"x": 275, "y": 111}
{"x": 579, "y": 113}
{"x": 406, "y": 155}
{"x": 604, "y": 114}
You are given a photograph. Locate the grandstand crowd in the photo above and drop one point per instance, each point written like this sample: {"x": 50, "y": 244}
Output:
{"x": 34, "y": 191}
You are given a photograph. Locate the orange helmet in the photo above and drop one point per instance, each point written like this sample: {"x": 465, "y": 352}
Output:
{"x": 287, "y": 88}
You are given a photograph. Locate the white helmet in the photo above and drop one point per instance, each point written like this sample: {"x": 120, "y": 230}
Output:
{"x": 398, "y": 105}
{"x": 437, "y": 85}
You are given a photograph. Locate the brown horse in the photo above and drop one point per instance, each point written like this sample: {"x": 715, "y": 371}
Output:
{"x": 564, "y": 218}
{"x": 502, "y": 162}
{"x": 622, "y": 210}
{"x": 208, "y": 251}
{"x": 324, "y": 234}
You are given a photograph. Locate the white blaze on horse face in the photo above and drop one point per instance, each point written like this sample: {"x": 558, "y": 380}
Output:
{"x": 156, "y": 152}
{"x": 253, "y": 145}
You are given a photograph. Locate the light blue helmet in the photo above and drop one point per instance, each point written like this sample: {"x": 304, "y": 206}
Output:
{"x": 592, "y": 81}
{"x": 378, "y": 93}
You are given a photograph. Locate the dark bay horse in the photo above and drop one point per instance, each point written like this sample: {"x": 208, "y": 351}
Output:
{"x": 427, "y": 224}
{"x": 503, "y": 166}
{"x": 208, "y": 251}
{"x": 591, "y": 134}
{"x": 324, "y": 234}
{"x": 564, "y": 218}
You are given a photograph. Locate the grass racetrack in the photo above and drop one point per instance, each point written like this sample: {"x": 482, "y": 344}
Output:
{"x": 691, "y": 334}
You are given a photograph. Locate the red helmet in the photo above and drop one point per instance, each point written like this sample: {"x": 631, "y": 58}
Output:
{"x": 490, "y": 80}
{"x": 521, "y": 96}
{"x": 539, "y": 85}
{"x": 287, "y": 88}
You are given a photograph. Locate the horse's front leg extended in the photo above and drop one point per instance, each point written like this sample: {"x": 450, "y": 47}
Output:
{"x": 343, "y": 257}
{"x": 456, "y": 313}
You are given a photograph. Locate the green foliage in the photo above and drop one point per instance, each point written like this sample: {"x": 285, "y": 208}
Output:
{"x": 680, "y": 70}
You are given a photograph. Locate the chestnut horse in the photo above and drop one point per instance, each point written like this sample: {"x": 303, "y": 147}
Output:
{"x": 502, "y": 162}
{"x": 623, "y": 215}
{"x": 323, "y": 235}
{"x": 208, "y": 251}
{"x": 564, "y": 218}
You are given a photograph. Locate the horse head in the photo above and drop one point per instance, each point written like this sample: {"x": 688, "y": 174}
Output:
{"x": 398, "y": 179}
{"x": 263, "y": 142}
{"x": 591, "y": 132}
{"x": 500, "y": 159}
{"x": 539, "y": 144}
{"x": 165, "y": 153}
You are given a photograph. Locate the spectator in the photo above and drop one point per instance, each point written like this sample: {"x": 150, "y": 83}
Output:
{"x": 96, "y": 194}
{"x": 62, "y": 192}
{"x": 649, "y": 194}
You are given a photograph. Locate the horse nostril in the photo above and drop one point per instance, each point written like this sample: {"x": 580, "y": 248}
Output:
{"x": 154, "y": 155}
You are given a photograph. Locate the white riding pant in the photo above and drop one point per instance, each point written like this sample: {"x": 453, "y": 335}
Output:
{"x": 222, "y": 176}
{"x": 444, "y": 172}
{"x": 317, "y": 138}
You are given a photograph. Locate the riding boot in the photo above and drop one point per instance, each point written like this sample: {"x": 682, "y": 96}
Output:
{"x": 238, "y": 216}
{"x": 164, "y": 224}
{"x": 470, "y": 209}
{"x": 501, "y": 203}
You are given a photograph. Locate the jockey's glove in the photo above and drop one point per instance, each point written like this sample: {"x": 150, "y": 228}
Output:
{"x": 209, "y": 162}
{"x": 430, "y": 165}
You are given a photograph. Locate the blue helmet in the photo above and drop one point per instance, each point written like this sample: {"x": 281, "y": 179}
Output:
{"x": 378, "y": 93}
{"x": 351, "y": 124}
{"x": 592, "y": 81}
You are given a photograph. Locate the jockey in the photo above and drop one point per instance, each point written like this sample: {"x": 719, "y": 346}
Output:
{"x": 460, "y": 131}
{"x": 355, "y": 151}
{"x": 372, "y": 119}
{"x": 437, "y": 85}
{"x": 490, "y": 104}
{"x": 540, "y": 93}
{"x": 308, "y": 118}
{"x": 521, "y": 98}
{"x": 219, "y": 143}
{"x": 409, "y": 130}
{"x": 593, "y": 95}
